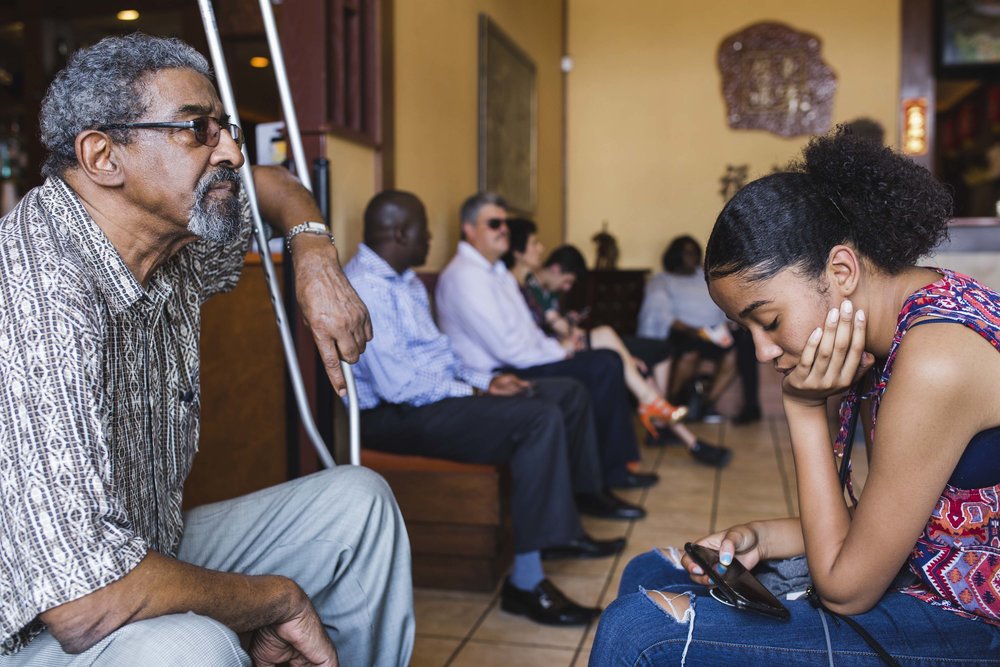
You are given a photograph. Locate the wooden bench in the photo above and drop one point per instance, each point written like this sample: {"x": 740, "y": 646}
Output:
{"x": 457, "y": 516}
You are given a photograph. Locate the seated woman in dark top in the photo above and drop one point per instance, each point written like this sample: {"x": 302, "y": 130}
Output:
{"x": 819, "y": 264}
{"x": 542, "y": 285}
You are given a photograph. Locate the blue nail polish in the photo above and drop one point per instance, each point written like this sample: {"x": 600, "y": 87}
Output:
{"x": 726, "y": 559}
{"x": 720, "y": 568}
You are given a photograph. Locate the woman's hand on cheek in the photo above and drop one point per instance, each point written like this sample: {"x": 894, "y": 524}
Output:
{"x": 833, "y": 358}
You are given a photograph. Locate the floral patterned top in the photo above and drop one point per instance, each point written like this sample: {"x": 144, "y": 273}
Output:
{"x": 957, "y": 557}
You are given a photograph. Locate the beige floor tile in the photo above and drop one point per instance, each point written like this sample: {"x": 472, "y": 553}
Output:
{"x": 467, "y": 596}
{"x": 604, "y": 529}
{"x": 585, "y": 590}
{"x": 448, "y": 615}
{"x": 666, "y": 517}
{"x": 432, "y": 651}
{"x": 591, "y": 567}
{"x": 493, "y": 654}
{"x": 500, "y": 626}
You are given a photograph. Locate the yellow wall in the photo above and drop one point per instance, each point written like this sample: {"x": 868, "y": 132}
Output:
{"x": 352, "y": 184}
{"x": 648, "y": 139}
{"x": 436, "y": 83}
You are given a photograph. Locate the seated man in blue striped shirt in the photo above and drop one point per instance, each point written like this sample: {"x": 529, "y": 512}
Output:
{"x": 417, "y": 398}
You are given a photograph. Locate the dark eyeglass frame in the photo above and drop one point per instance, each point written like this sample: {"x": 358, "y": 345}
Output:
{"x": 496, "y": 223}
{"x": 202, "y": 127}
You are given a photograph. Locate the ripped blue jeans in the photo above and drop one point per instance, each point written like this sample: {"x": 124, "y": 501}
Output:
{"x": 635, "y": 630}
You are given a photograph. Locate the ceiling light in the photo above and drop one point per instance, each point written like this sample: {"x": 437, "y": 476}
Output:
{"x": 127, "y": 15}
{"x": 260, "y": 62}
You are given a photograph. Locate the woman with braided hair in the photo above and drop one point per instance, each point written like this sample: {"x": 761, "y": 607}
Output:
{"x": 819, "y": 264}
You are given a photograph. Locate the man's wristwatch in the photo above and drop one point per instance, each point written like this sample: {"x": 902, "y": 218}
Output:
{"x": 308, "y": 227}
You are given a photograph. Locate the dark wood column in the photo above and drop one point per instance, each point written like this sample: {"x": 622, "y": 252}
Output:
{"x": 917, "y": 67}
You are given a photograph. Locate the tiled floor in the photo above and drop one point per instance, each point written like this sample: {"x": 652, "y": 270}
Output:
{"x": 691, "y": 500}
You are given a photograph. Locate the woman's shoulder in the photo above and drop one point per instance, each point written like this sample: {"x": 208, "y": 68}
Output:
{"x": 949, "y": 361}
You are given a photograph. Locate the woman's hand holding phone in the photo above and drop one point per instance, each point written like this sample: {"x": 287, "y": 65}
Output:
{"x": 740, "y": 541}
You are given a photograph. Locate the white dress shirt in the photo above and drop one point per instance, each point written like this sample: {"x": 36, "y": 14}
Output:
{"x": 670, "y": 297}
{"x": 481, "y": 310}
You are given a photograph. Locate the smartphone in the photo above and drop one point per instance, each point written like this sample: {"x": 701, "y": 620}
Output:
{"x": 735, "y": 586}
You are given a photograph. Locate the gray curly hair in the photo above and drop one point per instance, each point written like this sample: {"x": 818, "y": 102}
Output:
{"x": 102, "y": 85}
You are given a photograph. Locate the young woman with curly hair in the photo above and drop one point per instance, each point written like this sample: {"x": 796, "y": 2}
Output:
{"x": 819, "y": 264}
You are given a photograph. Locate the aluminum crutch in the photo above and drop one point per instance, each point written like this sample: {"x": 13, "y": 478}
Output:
{"x": 291, "y": 358}
{"x": 299, "y": 155}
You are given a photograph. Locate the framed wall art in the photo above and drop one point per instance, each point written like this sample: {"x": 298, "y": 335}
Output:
{"x": 508, "y": 118}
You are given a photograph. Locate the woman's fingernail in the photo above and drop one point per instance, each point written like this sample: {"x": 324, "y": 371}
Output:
{"x": 816, "y": 334}
{"x": 720, "y": 568}
{"x": 831, "y": 317}
{"x": 861, "y": 316}
{"x": 847, "y": 306}
{"x": 697, "y": 570}
{"x": 726, "y": 559}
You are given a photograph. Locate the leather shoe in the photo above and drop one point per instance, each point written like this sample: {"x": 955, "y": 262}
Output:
{"x": 636, "y": 480}
{"x": 545, "y": 604}
{"x": 605, "y": 505}
{"x": 748, "y": 415}
{"x": 584, "y": 547}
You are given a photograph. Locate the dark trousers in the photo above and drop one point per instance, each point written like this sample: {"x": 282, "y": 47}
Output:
{"x": 747, "y": 367}
{"x": 529, "y": 435}
{"x": 601, "y": 371}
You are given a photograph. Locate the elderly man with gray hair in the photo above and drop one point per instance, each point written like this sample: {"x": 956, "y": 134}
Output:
{"x": 103, "y": 270}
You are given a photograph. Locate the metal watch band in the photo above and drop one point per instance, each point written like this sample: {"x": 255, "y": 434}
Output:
{"x": 308, "y": 227}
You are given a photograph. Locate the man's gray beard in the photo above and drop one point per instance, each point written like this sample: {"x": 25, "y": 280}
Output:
{"x": 213, "y": 220}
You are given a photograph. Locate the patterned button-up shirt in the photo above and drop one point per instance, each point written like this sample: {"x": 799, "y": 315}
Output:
{"x": 408, "y": 361}
{"x": 99, "y": 403}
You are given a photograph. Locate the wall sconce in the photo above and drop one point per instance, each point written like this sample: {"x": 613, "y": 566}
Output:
{"x": 915, "y": 126}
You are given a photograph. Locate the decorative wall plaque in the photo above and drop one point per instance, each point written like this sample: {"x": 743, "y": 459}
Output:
{"x": 508, "y": 110}
{"x": 774, "y": 78}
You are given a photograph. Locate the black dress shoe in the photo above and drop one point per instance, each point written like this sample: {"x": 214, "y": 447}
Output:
{"x": 545, "y": 604}
{"x": 711, "y": 455}
{"x": 636, "y": 480}
{"x": 748, "y": 415}
{"x": 605, "y": 505}
{"x": 585, "y": 547}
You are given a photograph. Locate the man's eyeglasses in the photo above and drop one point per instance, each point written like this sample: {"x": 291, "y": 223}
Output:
{"x": 207, "y": 130}
{"x": 496, "y": 223}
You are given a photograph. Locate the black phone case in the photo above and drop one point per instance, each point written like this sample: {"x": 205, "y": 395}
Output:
{"x": 772, "y": 608}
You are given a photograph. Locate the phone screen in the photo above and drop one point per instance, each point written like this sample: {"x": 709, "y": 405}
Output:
{"x": 736, "y": 582}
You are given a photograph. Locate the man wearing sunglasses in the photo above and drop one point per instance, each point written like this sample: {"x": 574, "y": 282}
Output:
{"x": 482, "y": 312}
{"x": 103, "y": 270}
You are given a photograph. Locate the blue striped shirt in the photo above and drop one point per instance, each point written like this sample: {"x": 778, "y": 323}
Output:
{"x": 408, "y": 361}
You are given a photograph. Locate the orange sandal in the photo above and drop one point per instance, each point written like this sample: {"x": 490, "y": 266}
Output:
{"x": 660, "y": 409}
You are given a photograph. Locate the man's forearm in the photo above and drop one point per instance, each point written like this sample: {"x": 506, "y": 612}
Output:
{"x": 159, "y": 586}
{"x": 283, "y": 201}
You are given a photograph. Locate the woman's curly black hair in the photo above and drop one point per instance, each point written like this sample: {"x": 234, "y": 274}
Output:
{"x": 844, "y": 190}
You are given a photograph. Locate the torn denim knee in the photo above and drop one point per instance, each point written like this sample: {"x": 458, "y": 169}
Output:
{"x": 689, "y": 613}
{"x": 672, "y": 555}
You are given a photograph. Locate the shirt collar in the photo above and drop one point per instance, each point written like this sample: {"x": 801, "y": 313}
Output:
{"x": 115, "y": 281}
{"x": 373, "y": 264}
{"x": 466, "y": 249}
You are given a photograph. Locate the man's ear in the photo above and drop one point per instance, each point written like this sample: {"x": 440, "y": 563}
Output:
{"x": 843, "y": 268}
{"x": 399, "y": 233}
{"x": 98, "y": 160}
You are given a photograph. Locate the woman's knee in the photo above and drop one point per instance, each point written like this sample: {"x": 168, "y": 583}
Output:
{"x": 655, "y": 568}
{"x": 176, "y": 639}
